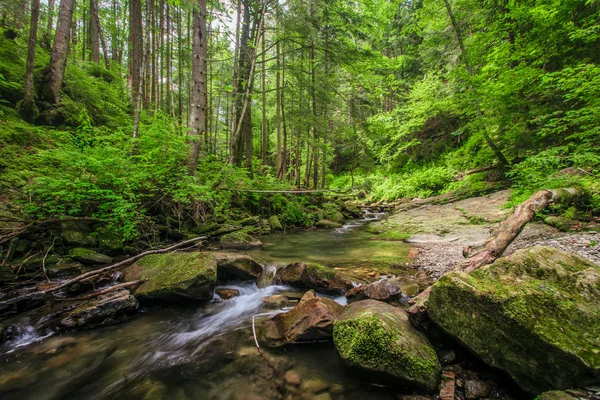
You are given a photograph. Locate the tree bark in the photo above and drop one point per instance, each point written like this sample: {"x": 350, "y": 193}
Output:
{"x": 94, "y": 34}
{"x": 29, "y": 87}
{"x": 60, "y": 49}
{"x": 263, "y": 125}
{"x": 96, "y": 18}
{"x": 198, "y": 95}
{"x": 50, "y": 25}
{"x": 136, "y": 48}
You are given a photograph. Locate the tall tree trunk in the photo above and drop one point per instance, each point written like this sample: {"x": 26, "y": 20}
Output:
{"x": 47, "y": 38}
{"x": 147, "y": 70}
{"x": 315, "y": 122}
{"x": 94, "y": 36}
{"x": 154, "y": 72}
{"x": 96, "y": 18}
{"x": 136, "y": 48}
{"x": 58, "y": 58}
{"x": 234, "y": 93}
{"x": 179, "y": 67}
{"x": 280, "y": 170}
{"x": 263, "y": 127}
{"x": 169, "y": 72}
{"x": 28, "y": 106}
{"x": 114, "y": 37}
{"x": 84, "y": 27}
{"x": 198, "y": 95}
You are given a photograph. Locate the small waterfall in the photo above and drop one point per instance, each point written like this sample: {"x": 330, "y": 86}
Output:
{"x": 267, "y": 276}
{"x": 23, "y": 335}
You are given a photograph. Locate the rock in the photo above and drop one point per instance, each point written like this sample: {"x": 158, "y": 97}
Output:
{"x": 227, "y": 294}
{"x": 386, "y": 290}
{"x": 326, "y": 224}
{"x": 21, "y": 303}
{"x": 310, "y": 321}
{"x": 315, "y": 386}
{"x": 23, "y": 245}
{"x": 275, "y": 223}
{"x": 322, "y": 396}
{"x": 6, "y": 274}
{"x": 448, "y": 386}
{"x": 534, "y": 314}
{"x": 106, "y": 309}
{"x": 239, "y": 240}
{"x": 446, "y": 356}
{"x": 310, "y": 294}
{"x": 224, "y": 229}
{"x": 232, "y": 266}
{"x": 250, "y": 221}
{"x": 77, "y": 234}
{"x": 313, "y": 276}
{"x": 65, "y": 269}
{"x": 336, "y": 217}
{"x": 555, "y": 395}
{"x": 378, "y": 340}
{"x": 174, "y": 276}
{"x": 109, "y": 241}
{"x": 352, "y": 209}
{"x": 292, "y": 377}
{"x": 275, "y": 301}
{"x": 476, "y": 389}
{"x": 88, "y": 256}
{"x": 410, "y": 289}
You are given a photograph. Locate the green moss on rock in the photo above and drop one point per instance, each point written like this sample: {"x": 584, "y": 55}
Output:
{"x": 534, "y": 314}
{"x": 88, "y": 256}
{"x": 313, "y": 276}
{"x": 378, "y": 339}
{"x": 555, "y": 395}
{"x": 239, "y": 240}
{"x": 175, "y": 276}
{"x": 275, "y": 223}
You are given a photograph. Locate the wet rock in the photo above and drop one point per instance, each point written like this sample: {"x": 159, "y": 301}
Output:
{"x": 239, "y": 240}
{"x": 275, "y": 301}
{"x": 313, "y": 276}
{"x": 106, "y": 309}
{"x": 326, "y": 224}
{"x": 109, "y": 241}
{"x": 65, "y": 269}
{"x": 555, "y": 395}
{"x": 314, "y": 386}
{"x": 386, "y": 290}
{"x": 21, "y": 303}
{"x": 292, "y": 377}
{"x": 446, "y": 356}
{"x": 410, "y": 290}
{"x": 89, "y": 257}
{"x": 8, "y": 332}
{"x": 311, "y": 320}
{"x": 227, "y": 294}
{"x": 77, "y": 234}
{"x": 378, "y": 340}
{"x": 476, "y": 389}
{"x": 174, "y": 277}
{"x": 534, "y": 314}
{"x": 232, "y": 266}
{"x": 448, "y": 386}
{"x": 275, "y": 223}
{"x": 352, "y": 209}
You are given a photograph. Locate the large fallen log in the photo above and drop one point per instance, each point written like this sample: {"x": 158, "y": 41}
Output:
{"x": 498, "y": 241}
{"x": 122, "y": 264}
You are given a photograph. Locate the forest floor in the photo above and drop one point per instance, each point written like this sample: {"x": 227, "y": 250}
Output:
{"x": 439, "y": 232}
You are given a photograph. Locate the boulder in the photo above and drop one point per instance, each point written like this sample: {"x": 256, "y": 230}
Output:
{"x": 174, "y": 276}
{"x": 275, "y": 223}
{"x": 534, "y": 314}
{"x": 21, "y": 303}
{"x": 386, "y": 290}
{"x": 313, "y": 276}
{"x": 378, "y": 340}
{"x": 239, "y": 240}
{"x": 65, "y": 269}
{"x": 352, "y": 209}
{"x": 275, "y": 301}
{"x": 77, "y": 234}
{"x": 106, "y": 309}
{"x": 233, "y": 266}
{"x": 109, "y": 241}
{"x": 555, "y": 395}
{"x": 226, "y": 294}
{"x": 88, "y": 256}
{"x": 326, "y": 224}
{"x": 311, "y": 320}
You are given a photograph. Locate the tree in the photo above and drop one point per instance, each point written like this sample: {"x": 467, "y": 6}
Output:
{"x": 28, "y": 107}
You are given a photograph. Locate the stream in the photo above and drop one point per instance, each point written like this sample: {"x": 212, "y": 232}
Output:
{"x": 207, "y": 352}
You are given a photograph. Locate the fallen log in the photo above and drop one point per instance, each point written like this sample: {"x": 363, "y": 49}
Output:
{"x": 497, "y": 242}
{"x": 122, "y": 264}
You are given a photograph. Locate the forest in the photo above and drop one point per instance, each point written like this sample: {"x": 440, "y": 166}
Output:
{"x": 424, "y": 140}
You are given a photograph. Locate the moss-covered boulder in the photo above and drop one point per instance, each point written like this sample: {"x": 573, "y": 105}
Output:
{"x": 275, "y": 223}
{"x": 233, "y": 266}
{"x": 326, "y": 224}
{"x": 77, "y": 234}
{"x": 109, "y": 241}
{"x": 555, "y": 395}
{"x": 174, "y": 277}
{"x": 239, "y": 240}
{"x": 311, "y": 320}
{"x": 313, "y": 276}
{"x": 534, "y": 314}
{"x": 89, "y": 256}
{"x": 65, "y": 269}
{"x": 378, "y": 340}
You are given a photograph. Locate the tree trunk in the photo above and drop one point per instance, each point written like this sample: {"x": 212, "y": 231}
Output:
{"x": 279, "y": 157}
{"x": 263, "y": 125}
{"x": 96, "y": 19}
{"x": 234, "y": 93}
{"x": 58, "y": 58}
{"x": 136, "y": 48}
{"x": 28, "y": 106}
{"x": 147, "y": 71}
{"x": 94, "y": 36}
{"x": 198, "y": 96}
{"x": 47, "y": 39}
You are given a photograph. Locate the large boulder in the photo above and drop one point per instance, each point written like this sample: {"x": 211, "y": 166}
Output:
{"x": 386, "y": 290}
{"x": 313, "y": 276}
{"x": 233, "y": 266}
{"x": 378, "y": 340}
{"x": 275, "y": 223}
{"x": 89, "y": 256}
{"x": 239, "y": 240}
{"x": 311, "y": 320}
{"x": 534, "y": 314}
{"x": 174, "y": 276}
{"x": 106, "y": 309}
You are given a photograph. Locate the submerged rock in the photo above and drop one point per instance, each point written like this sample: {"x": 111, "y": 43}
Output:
{"x": 326, "y": 224}
{"x": 88, "y": 256}
{"x": 386, "y": 290}
{"x": 555, "y": 395}
{"x": 239, "y": 240}
{"x": 378, "y": 340}
{"x": 233, "y": 266}
{"x": 534, "y": 314}
{"x": 311, "y": 320}
{"x": 313, "y": 276}
{"x": 106, "y": 309}
{"x": 174, "y": 276}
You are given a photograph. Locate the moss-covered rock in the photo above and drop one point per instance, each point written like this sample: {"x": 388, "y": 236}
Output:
{"x": 174, "y": 276}
{"x": 239, "y": 240}
{"x": 560, "y": 223}
{"x": 109, "y": 241}
{"x": 65, "y": 269}
{"x": 555, "y": 395}
{"x": 535, "y": 314}
{"x": 88, "y": 256}
{"x": 275, "y": 223}
{"x": 326, "y": 224}
{"x": 313, "y": 276}
{"x": 377, "y": 339}
{"x": 233, "y": 266}
{"x": 77, "y": 234}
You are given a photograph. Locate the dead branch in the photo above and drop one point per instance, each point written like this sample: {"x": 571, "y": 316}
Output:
{"x": 258, "y": 347}
{"x": 44, "y": 259}
{"x": 104, "y": 291}
{"x": 123, "y": 263}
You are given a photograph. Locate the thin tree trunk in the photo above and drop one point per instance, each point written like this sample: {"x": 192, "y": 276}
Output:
{"x": 235, "y": 78}
{"x": 263, "y": 126}
{"x": 28, "y": 102}
{"x": 58, "y": 58}
{"x": 280, "y": 171}
{"x": 84, "y": 25}
{"x": 315, "y": 122}
{"x": 96, "y": 17}
{"x": 47, "y": 39}
{"x": 154, "y": 72}
{"x": 136, "y": 48}
{"x": 94, "y": 34}
{"x": 169, "y": 83}
{"x": 209, "y": 127}
{"x": 161, "y": 58}
{"x": 179, "y": 67}
{"x": 198, "y": 94}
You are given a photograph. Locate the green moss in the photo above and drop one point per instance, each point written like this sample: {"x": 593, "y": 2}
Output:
{"x": 319, "y": 272}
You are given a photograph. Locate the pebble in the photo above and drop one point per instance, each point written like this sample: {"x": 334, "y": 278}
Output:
{"x": 292, "y": 378}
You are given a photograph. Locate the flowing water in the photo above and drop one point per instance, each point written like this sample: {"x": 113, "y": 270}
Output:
{"x": 207, "y": 352}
